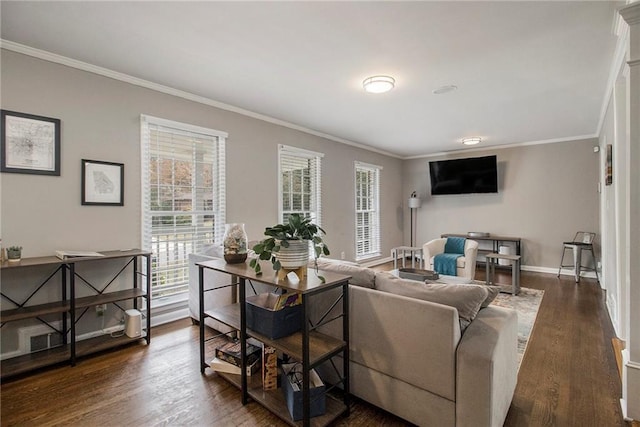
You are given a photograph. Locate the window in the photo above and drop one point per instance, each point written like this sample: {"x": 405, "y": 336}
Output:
{"x": 300, "y": 172}
{"x": 183, "y": 197}
{"x": 367, "y": 210}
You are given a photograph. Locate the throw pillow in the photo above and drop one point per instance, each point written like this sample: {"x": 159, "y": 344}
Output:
{"x": 467, "y": 299}
{"x": 360, "y": 276}
{"x": 492, "y": 293}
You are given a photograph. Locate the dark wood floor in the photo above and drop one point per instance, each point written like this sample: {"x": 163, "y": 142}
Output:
{"x": 568, "y": 377}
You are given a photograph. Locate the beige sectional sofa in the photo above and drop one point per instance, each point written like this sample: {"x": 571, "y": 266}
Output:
{"x": 410, "y": 353}
{"x": 410, "y": 357}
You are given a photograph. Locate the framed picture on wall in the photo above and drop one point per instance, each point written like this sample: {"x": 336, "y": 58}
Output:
{"x": 29, "y": 144}
{"x": 609, "y": 166}
{"x": 102, "y": 183}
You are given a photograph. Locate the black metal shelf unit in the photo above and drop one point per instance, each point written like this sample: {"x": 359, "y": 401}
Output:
{"x": 308, "y": 346}
{"x": 69, "y": 306}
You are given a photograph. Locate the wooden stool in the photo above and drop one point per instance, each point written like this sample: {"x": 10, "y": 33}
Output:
{"x": 515, "y": 270}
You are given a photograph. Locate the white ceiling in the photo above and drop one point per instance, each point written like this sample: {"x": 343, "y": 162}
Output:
{"x": 525, "y": 71}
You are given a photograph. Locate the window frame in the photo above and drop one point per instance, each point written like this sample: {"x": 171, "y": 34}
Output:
{"x": 315, "y": 185}
{"x": 218, "y": 188}
{"x": 375, "y": 239}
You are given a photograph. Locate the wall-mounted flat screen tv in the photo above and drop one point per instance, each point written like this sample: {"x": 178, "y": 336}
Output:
{"x": 463, "y": 176}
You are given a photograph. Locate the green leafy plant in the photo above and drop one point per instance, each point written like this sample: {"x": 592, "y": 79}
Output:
{"x": 297, "y": 228}
{"x": 14, "y": 252}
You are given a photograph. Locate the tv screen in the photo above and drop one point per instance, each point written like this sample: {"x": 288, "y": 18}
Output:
{"x": 463, "y": 176}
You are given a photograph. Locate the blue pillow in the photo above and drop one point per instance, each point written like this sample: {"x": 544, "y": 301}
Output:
{"x": 455, "y": 245}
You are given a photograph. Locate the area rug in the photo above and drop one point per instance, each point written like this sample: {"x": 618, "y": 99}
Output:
{"x": 526, "y": 303}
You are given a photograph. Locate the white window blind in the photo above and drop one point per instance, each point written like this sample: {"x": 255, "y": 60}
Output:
{"x": 300, "y": 187}
{"x": 367, "y": 183}
{"x": 183, "y": 197}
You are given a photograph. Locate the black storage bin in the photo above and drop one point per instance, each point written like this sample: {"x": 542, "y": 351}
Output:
{"x": 271, "y": 323}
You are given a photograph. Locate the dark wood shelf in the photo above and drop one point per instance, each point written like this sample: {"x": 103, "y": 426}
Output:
{"x": 34, "y": 311}
{"x": 108, "y": 297}
{"x": 53, "y": 356}
{"x": 321, "y": 346}
{"x": 62, "y": 306}
{"x": 275, "y": 402}
{"x": 104, "y": 342}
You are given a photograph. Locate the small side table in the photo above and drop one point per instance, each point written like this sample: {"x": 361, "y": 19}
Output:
{"x": 515, "y": 270}
{"x": 402, "y": 252}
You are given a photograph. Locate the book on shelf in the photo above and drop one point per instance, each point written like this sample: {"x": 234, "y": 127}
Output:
{"x": 288, "y": 300}
{"x": 222, "y": 366}
{"x": 76, "y": 254}
{"x": 230, "y": 353}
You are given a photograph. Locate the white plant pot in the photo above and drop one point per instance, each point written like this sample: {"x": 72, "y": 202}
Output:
{"x": 295, "y": 256}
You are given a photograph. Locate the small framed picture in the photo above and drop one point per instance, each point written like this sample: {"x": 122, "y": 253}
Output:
{"x": 102, "y": 183}
{"x": 29, "y": 144}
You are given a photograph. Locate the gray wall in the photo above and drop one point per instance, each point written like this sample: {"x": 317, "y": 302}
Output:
{"x": 101, "y": 121}
{"x": 546, "y": 193}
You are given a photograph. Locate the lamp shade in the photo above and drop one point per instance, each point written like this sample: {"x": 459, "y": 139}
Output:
{"x": 415, "y": 202}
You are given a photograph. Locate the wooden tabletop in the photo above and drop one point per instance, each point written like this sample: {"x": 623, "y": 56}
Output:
{"x": 310, "y": 284}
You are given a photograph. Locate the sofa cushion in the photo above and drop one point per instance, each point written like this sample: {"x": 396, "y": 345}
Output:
{"x": 360, "y": 276}
{"x": 467, "y": 299}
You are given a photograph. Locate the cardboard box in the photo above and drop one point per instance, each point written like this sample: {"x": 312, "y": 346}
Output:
{"x": 293, "y": 392}
{"x": 274, "y": 324}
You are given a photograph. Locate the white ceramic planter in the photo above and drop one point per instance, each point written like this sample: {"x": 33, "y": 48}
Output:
{"x": 295, "y": 256}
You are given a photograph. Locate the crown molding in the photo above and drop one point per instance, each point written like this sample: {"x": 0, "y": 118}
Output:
{"x": 105, "y": 72}
{"x": 631, "y": 13}
{"x": 504, "y": 146}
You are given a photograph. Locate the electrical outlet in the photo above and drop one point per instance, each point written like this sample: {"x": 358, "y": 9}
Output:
{"x": 100, "y": 309}
{"x": 342, "y": 255}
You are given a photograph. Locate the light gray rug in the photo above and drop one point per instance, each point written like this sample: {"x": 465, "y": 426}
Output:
{"x": 526, "y": 303}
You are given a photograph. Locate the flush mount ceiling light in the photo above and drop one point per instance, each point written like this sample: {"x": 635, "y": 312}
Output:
{"x": 472, "y": 141}
{"x": 444, "y": 89}
{"x": 378, "y": 84}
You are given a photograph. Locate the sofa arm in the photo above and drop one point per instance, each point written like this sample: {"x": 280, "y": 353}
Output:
{"x": 487, "y": 368}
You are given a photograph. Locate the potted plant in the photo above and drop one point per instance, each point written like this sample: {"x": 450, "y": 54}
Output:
{"x": 287, "y": 245}
{"x": 14, "y": 253}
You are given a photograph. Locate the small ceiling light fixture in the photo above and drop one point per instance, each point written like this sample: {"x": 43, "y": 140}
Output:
{"x": 472, "y": 141}
{"x": 444, "y": 89}
{"x": 378, "y": 84}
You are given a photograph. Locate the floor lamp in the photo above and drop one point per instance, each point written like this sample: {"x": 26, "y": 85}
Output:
{"x": 414, "y": 203}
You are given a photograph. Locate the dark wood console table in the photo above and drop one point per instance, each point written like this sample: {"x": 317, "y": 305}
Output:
{"x": 496, "y": 241}
{"x": 68, "y": 307}
{"x": 308, "y": 346}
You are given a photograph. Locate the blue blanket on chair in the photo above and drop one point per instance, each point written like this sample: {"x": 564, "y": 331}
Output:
{"x": 446, "y": 263}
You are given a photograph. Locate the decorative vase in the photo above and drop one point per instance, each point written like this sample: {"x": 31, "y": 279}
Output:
{"x": 294, "y": 256}
{"x": 235, "y": 243}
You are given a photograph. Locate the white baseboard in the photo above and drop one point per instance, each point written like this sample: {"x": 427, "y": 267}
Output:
{"x": 552, "y": 270}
